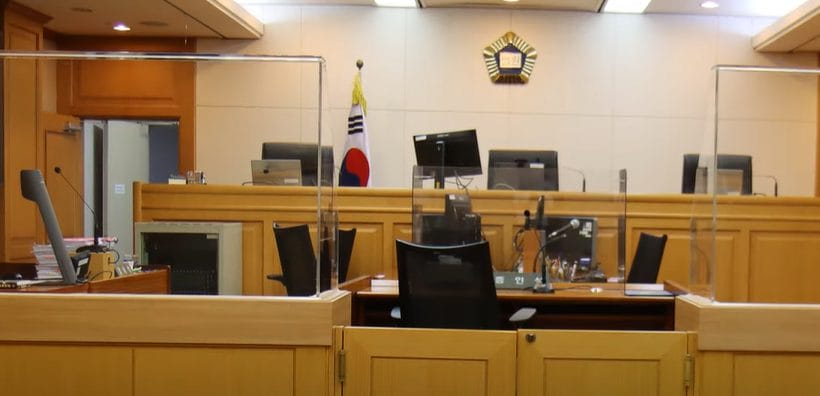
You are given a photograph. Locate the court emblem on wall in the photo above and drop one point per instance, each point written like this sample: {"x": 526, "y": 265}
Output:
{"x": 510, "y": 59}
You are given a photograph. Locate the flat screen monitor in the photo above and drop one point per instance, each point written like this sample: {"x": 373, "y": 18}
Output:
{"x": 34, "y": 189}
{"x": 444, "y": 154}
{"x": 306, "y": 153}
{"x": 276, "y": 172}
{"x": 578, "y": 244}
{"x": 535, "y": 170}
{"x": 725, "y": 162}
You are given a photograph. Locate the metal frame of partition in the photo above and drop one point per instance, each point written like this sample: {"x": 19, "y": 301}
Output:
{"x": 195, "y": 57}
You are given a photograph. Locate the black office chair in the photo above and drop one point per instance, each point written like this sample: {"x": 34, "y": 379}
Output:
{"x": 297, "y": 259}
{"x": 345, "y": 240}
{"x": 647, "y": 261}
{"x": 724, "y": 161}
{"x": 535, "y": 170}
{"x": 448, "y": 287}
{"x": 299, "y": 262}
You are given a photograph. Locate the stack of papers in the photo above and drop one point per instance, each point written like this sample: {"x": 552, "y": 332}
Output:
{"x": 47, "y": 267}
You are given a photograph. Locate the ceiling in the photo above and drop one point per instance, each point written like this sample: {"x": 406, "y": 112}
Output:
{"x": 797, "y": 31}
{"x": 152, "y": 18}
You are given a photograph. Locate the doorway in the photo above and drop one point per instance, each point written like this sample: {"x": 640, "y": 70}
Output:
{"x": 117, "y": 154}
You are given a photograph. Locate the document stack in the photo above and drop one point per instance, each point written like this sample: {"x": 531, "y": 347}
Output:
{"x": 47, "y": 267}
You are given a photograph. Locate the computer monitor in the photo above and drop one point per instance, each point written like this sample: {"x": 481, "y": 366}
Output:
{"x": 724, "y": 162}
{"x": 457, "y": 226}
{"x": 523, "y": 170}
{"x": 34, "y": 189}
{"x": 578, "y": 244}
{"x": 306, "y": 153}
{"x": 448, "y": 154}
{"x": 276, "y": 172}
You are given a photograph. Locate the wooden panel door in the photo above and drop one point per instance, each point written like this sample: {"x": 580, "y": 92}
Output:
{"x": 64, "y": 149}
{"x": 432, "y": 362}
{"x": 65, "y": 370}
{"x": 217, "y": 371}
{"x": 579, "y": 363}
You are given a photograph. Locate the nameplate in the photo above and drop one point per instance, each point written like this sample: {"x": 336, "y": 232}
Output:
{"x": 514, "y": 280}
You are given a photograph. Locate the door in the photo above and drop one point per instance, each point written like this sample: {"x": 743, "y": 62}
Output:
{"x": 579, "y": 363}
{"x": 64, "y": 150}
{"x": 431, "y": 362}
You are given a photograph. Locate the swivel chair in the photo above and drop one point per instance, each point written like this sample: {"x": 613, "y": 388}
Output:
{"x": 449, "y": 287}
{"x": 647, "y": 260}
{"x": 299, "y": 262}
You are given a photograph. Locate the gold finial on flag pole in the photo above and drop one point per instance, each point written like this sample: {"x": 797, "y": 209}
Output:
{"x": 359, "y": 64}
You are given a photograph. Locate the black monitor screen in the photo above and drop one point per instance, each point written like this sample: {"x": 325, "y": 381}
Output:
{"x": 578, "y": 244}
{"x": 523, "y": 170}
{"x": 306, "y": 154}
{"x": 452, "y": 151}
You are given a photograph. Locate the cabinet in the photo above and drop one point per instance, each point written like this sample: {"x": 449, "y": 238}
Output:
{"x": 385, "y": 361}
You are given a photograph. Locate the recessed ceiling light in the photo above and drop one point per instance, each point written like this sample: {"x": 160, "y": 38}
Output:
{"x": 709, "y": 4}
{"x": 510, "y": 1}
{"x": 626, "y": 6}
{"x": 121, "y": 27}
{"x": 397, "y": 3}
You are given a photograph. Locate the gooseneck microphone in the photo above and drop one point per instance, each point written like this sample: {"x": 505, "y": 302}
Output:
{"x": 573, "y": 224}
{"x": 527, "y": 220}
{"x": 97, "y": 247}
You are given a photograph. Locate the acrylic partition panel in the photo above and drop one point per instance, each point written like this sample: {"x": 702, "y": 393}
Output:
{"x": 571, "y": 236}
{"x": 755, "y": 223}
{"x": 228, "y": 108}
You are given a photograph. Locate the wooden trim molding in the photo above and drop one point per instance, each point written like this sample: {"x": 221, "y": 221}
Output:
{"x": 133, "y": 319}
{"x": 749, "y": 326}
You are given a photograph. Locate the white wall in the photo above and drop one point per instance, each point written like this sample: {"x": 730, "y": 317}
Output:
{"x": 126, "y": 155}
{"x": 607, "y": 91}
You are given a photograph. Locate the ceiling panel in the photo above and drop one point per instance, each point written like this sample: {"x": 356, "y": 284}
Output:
{"x": 148, "y": 18}
{"x": 762, "y": 8}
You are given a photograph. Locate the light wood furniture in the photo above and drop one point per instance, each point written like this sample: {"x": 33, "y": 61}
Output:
{"x": 572, "y": 306}
{"x": 762, "y": 242}
{"x": 752, "y": 349}
{"x": 154, "y": 281}
{"x": 381, "y": 361}
{"x": 98, "y": 344}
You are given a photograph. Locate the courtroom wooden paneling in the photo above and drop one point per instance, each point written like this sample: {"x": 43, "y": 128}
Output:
{"x": 770, "y": 250}
{"x": 428, "y": 362}
{"x": 49, "y": 370}
{"x": 131, "y": 89}
{"x": 23, "y": 142}
{"x": 595, "y": 363}
{"x": 751, "y": 230}
{"x": 213, "y": 371}
{"x": 64, "y": 149}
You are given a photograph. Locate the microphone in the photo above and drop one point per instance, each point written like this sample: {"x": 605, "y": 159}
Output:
{"x": 583, "y": 177}
{"x": 97, "y": 247}
{"x": 774, "y": 180}
{"x": 539, "y": 212}
{"x": 573, "y": 224}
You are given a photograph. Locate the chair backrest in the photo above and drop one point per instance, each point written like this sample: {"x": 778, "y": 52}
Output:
{"x": 522, "y": 170}
{"x": 345, "y": 243}
{"x": 724, "y": 161}
{"x": 446, "y": 286}
{"x": 647, "y": 260}
{"x": 297, "y": 259}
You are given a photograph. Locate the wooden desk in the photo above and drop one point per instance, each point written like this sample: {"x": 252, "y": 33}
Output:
{"x": 572, "y": 306}
{"x": 152, "y": 281}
